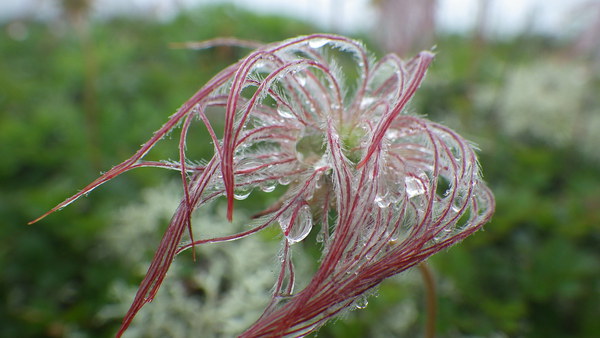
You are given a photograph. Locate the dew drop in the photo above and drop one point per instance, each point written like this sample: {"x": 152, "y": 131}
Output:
{"x": 366, "y": 102}
{"x": 309, "y": 195}
{"x": 414, "y": 186}
{"x": 392, "y": 134}
{"x": 241, "y": 193}
{"x": 285, "y": 112}
{"x": 247, "y": 164}
{"x": 394, "y": 238}
{"x": 320, "y": 237}
{"x": 301, "y": 227}
{"x": 361, "y": 302}
{"x": 319, "y": 180}
{"x": 261, "y": 66}
{"x": 302, "y": 81}
{"x": 268, "y": 186}
{"x": 317, "y": 43}
{"x": 383, "y": 200}
{"x": 285, "y": 180}
{"x": 387, "y": 190}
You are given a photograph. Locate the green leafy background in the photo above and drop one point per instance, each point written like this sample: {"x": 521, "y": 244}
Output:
{"x": 74, "y": 102}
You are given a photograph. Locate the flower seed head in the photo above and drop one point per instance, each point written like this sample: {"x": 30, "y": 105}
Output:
{"x": 383, "y": 189}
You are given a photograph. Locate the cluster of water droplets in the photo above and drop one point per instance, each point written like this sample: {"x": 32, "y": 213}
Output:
{"x": 387, "y": 194}
{"x": 388, "y": 189}
{"x": 253, "y": 177}
{"x": 391, "y": 188}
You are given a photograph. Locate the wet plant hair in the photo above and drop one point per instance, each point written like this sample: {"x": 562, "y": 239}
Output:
{"x": 383, "y": 189}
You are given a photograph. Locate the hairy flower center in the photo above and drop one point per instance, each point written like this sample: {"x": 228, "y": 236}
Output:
{"x": 352, "y": 137}
{"x": 310, "y": 146}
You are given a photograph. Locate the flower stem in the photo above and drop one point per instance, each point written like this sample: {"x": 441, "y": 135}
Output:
{"x": 431, "y": 299}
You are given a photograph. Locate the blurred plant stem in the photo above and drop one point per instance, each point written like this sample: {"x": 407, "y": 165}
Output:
{"x": 430, "y": 301}
{"x": 90, "y": 101}
{"x": 77, "y": 13}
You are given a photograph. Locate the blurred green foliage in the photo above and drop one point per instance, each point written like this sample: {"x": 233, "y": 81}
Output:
{"x": 71, "y": 107}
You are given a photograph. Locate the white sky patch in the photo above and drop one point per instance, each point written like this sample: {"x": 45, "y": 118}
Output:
{"x": 336, "y": 15}
{"x": 456, "y": 15}
{"x": 504, "y": 16}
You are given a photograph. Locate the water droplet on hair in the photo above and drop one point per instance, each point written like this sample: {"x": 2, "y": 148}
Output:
{"x": 392, "y": 134}
{"x": 285, "y": 180}
{"x": 361, "y": 302}
{"x": 383, "y": 200}
{"x": 302, "y": 224}
{"x": 319, "y": 178}
{"x": 414, "y": 186}
{"x": 317, "y": 43}
{"x": 301, "y": 80}
{"x": 285, "y": 112}
{"x": 241, "y": 193}
{"x": 268, "y": 186}
{"x": 320, "y": 237}
{"x": 367, "y": 101}
{"x": 247, "y": 164}
{"x": 261, "y": 66}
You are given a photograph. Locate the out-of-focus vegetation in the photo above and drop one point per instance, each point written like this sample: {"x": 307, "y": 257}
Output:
{"x": 72, "y": 105}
